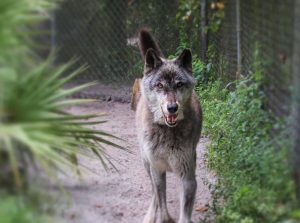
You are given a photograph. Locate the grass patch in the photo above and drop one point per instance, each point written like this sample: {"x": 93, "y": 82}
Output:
{"x": 17, "y": 209}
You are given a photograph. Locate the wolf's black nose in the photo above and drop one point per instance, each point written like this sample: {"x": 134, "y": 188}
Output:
{"x": 172, "y": 108}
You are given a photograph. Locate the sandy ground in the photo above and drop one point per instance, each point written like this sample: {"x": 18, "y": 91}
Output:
{"x": 124, "y": 196}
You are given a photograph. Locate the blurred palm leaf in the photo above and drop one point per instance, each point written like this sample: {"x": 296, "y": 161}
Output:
{"x": 33, "y": 119}
{"x": 34, "y": 124}
{"x": 16, "y": 18}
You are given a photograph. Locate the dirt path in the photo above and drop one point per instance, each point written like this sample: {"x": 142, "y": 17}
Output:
{"x": 111, "y": 197}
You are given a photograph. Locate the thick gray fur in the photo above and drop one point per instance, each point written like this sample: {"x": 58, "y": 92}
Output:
{"x": 167, "y": 146}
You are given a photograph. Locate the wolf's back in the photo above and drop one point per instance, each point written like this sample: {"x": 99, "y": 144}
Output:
{"x": 135, "y": 93}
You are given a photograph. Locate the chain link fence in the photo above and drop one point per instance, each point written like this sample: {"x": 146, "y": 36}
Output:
{"x": 265, "y": 24}
{"x": 270, "y": 24}
{"x": 103, "y": 34}
{"x": 273, "y": 27}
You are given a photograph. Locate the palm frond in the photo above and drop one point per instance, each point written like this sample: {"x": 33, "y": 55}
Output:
{"x": 43, "y": 127}
{"x": 33, "y": 99}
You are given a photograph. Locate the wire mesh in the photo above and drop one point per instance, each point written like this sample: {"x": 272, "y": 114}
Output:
{"x": 103, "y": 34}
{"x": 269, "y": 25}
{"x": 91, "y": 32}
{"x": 224, "y": 41}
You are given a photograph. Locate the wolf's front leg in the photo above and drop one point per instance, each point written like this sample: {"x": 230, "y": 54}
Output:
{"x": 159, "y": 189}
{"x": 187, "y": 198}
{"x": 153, "y": 208}
{"x": 152, "y": 211}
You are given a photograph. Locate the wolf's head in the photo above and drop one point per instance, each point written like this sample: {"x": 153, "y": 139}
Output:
{"x": 167, "y": 84}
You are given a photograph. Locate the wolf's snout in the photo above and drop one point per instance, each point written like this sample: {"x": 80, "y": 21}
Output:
{"x": 172, "y": 108}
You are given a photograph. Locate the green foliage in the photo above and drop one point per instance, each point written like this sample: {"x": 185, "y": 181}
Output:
{"x": 198, "y": 69}
{"x": 158, "y": 16}
{"x": 35, "y": 129}
{"x": 215, "y": 20}
{"x": 34, "y": 124}
{"x": 15, "y": 19}
{"x": 248, "y": 152}
{"x": 188, "y": 23}
{"x": 136, "y": 68}
{"x": 14, "y": 209}
{"x": 181, "y": 22}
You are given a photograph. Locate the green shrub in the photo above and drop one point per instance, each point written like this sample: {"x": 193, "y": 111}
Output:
{"x": 14, "y": 209}
{"x": 248, "y": 152}
{"x": 35, "y": 128}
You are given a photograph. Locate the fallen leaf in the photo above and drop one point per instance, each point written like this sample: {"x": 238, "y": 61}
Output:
{"x": 202, "y": 209}
{"x": 72, "y": 216}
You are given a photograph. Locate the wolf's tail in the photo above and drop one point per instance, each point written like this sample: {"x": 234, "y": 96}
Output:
{"x": 135, "y": 93}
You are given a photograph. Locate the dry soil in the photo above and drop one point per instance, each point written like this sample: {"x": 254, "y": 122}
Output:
{"x": 124, "y": 196}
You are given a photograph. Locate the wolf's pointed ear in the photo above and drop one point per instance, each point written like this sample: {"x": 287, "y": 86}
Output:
{"x": 152, "y": 60}
{"x": 146, "y": 41}
{"x": 185, "y": 60}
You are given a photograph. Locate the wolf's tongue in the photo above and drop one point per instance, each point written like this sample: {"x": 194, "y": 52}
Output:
{"x": 171, "y": 118}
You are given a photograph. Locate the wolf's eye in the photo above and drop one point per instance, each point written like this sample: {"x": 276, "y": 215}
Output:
{"x": 179, "y": 84}
{"x": 159, "y": 85}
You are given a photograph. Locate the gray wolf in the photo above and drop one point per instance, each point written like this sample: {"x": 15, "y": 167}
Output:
{"x": 168, "y": 120}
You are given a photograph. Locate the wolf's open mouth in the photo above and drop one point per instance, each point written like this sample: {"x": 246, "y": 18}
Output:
{"x": 171, "y": 120}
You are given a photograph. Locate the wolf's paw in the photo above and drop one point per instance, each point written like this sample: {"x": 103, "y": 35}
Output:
{"x": 170, "y": 220}
{"x": 148, "y": 219}
{"x": 185, "y": 222}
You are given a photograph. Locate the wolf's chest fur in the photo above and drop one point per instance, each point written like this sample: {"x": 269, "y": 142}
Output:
{"x": 169, "y": 149}
{"x": 171, "y": 139}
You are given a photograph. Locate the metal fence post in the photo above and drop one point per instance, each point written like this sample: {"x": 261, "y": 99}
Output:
{"x": 203, "y": 5}
{"x": 53, "y": 30}
{"x": 296, "y": 101}
{"x": 238, "y": 39}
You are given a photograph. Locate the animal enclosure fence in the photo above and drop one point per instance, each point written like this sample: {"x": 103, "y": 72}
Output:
{"x": 103, "y": 34}
{"x": 273, "y": 27}
{"x": 268, "y": 25}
